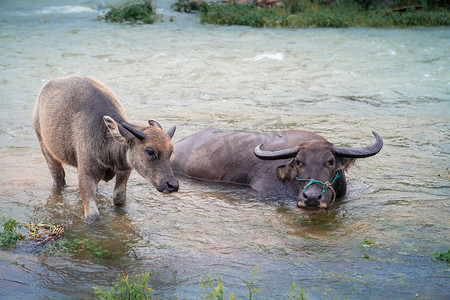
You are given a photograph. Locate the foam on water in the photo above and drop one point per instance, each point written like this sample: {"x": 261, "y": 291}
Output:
{"x": 266, "y": 56}
{"x": 64, "y": 10}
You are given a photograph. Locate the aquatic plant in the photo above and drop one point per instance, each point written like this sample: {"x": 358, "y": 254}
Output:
{"x": 72, "y": 244}
{"x": 296, "y": 293}
{"x": 39, "y": 232}
{"x": 136, "y": 287}
{"x": 127, "y": 287}
{"x": 442, "y": 256}
{"x": 132, "y": 11}
{"x": 252, "y": 289}
{"x": 42, "y": 232}
{"x": 49, "y": 236}
{"x": 367, "y": 243}
{"x": 9, "y": 236}
{"x": 213, "y": 292}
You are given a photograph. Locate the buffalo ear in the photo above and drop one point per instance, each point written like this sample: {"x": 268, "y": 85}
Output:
{"x": 287, "y": 171}
{"x": 344, "y": 162}
{"x": 117, "y": 131}
{"x": 154, "y": 123}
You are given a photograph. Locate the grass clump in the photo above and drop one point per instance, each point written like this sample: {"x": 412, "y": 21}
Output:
{"x": 136, "y": 287}
{"x": 127, "y": 287}
{"x": 296, "y": 293}
{"x": 301, "y": 14}
{"x": 133, "y": 11}
{"x": 366, "y": 243}
{"x": 79, "y": 246}
{"x": 9, "y": 235}
{"x": 442, "y": 256}
{"x": 213, "y": 292}
{"x": 50, "y": 237}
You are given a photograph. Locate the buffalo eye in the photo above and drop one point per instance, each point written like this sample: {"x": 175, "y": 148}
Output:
{"x": 299, "y": 163}
{"x": 330, "y": 163}
{"x": 151, "y": 153}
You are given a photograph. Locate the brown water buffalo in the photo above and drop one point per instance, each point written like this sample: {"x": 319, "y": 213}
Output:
{"x": 293, "y": 161}
{"x": 80, "y": 122}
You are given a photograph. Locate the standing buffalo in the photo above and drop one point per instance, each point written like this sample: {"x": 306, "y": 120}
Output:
{"x": 294, "y": 161}
{"x": 80, "y": 122}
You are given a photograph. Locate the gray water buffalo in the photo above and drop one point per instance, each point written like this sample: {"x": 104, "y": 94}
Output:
{"x": 80, "y": 122}
{"x": 292, "y": 161}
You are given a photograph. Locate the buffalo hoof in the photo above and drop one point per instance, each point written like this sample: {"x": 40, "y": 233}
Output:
{"x": 119, "y": 198}
{"x": 92, "y": 217}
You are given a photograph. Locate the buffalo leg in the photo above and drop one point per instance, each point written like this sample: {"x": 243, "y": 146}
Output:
{"x": 88, "y": 187}
{"x": 55, "y": 167}
{"x": 120, "y": 188}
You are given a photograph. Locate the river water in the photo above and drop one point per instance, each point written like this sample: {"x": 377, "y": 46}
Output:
{"x": 341, "y": 83}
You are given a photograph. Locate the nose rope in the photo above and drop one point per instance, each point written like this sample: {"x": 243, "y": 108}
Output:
{"x": 326, "y": 185}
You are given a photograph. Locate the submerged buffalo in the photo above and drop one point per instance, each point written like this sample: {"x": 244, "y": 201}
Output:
{"x": 294, "y": 161}
{"x": 80, "y": 122}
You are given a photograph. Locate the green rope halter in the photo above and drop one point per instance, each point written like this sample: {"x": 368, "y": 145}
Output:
{"x": 325, "y": 184}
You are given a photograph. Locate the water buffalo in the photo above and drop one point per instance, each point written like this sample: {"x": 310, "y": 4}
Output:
{"x": 293, "y": 161}
{"x": 80, "y": 122}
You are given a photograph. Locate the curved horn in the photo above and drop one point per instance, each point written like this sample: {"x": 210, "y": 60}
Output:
{"x": 137, "y": 133}
{"x": 274, "y": 155}
{"x": 361, "y": 152}
{"x": 154, "y": 123}
{"x": 171, "y": 131}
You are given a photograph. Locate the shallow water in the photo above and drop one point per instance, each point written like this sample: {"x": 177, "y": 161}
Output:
{"x": 341, "y": 83}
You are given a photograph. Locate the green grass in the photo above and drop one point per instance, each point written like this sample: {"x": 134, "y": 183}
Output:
{"x": 131, "y": 12}
{"x": 9, "y": 235}
{"x": 72, "y": 244}
{"x": 127, "y": 287}
{"x": 343, "y": 14}
{"x": 366, "y": 243}
{"x": 213, "y": 292}
{"x": 136, "y": 287}
{"x": 441, "y": 256}
{"x": 294, "y": 14}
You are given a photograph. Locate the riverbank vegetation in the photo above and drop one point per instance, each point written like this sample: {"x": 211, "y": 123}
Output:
{"x": 337, "y": 14}
{"x": 295, "y": 13}
{"x": 131, "y": 12}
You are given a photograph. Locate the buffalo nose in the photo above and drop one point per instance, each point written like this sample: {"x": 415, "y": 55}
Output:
{"x": 171, "y": 186}
{"x": 312, "y": 198}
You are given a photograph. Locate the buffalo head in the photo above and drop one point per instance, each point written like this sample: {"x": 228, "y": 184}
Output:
{"x": 318, "y": 166}
{"x": 149, "y": 151}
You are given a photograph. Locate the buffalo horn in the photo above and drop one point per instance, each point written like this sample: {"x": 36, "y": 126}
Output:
{"x": 154, "y": 123}
{"x": 137, "y": 133}
{"x": 274, "y": 155}
{"x": 171, "y": 131}
{"x": 361, "y": 152}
